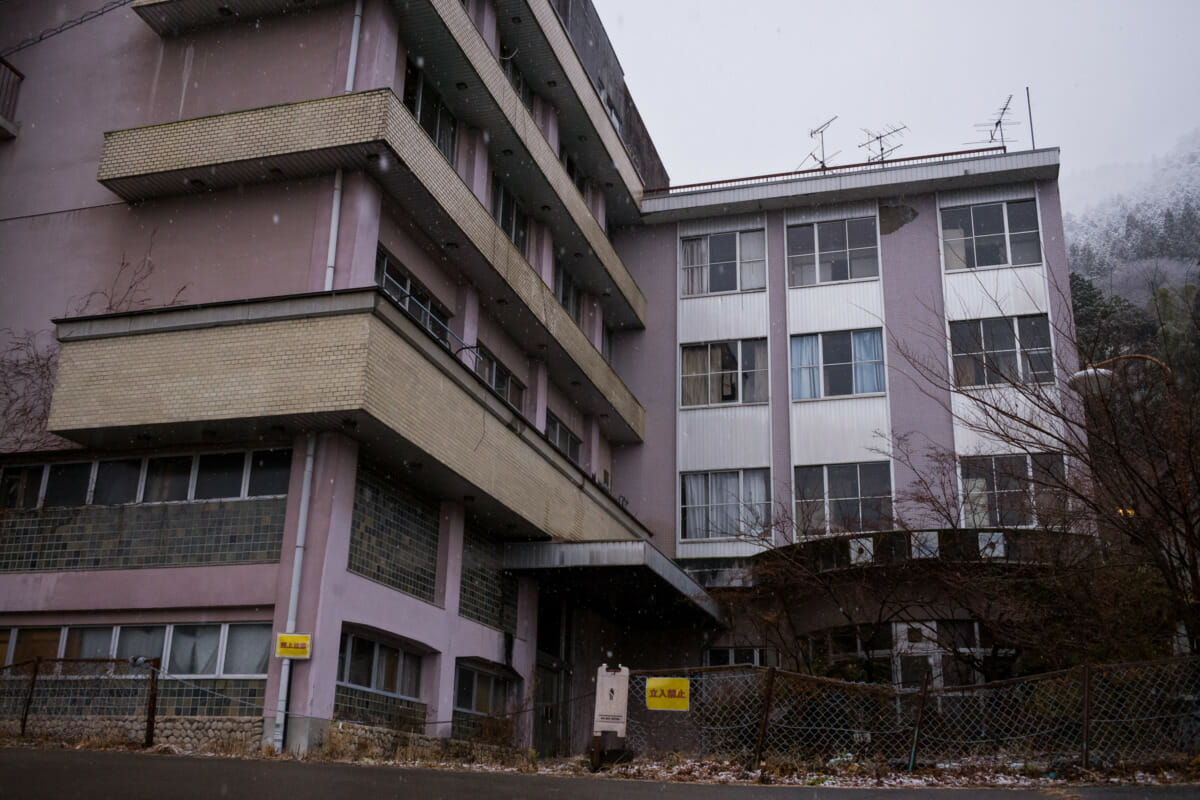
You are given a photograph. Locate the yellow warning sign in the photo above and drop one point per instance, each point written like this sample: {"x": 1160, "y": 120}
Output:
{"x": 293, "y": 645}
{"x": 667, "y": 694}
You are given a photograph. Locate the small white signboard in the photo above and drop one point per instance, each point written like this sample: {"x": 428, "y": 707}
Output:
{"x": 612, "y": 700}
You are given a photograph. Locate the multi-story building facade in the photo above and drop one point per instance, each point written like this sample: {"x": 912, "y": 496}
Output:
{"x": 373, "y": 320}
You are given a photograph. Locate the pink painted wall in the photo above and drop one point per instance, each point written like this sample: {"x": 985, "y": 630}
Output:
{"x": 645, "y": 474}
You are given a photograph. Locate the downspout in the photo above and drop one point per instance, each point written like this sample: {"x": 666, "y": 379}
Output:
{"x": 336, "y": 213}
{"x": 294, "y": 593}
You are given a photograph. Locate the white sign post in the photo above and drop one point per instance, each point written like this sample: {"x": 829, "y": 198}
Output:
{"x": 612, "y": 701}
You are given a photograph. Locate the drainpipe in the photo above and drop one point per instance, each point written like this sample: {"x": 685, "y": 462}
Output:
{"x": 336, "y": 213}
{"x": 294, "y": 593}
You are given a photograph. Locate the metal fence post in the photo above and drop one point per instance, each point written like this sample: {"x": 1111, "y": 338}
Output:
{"x": 1087, "y": 713}
{"x": 152, "y": 701}
{"x": 768, "y": 704}
{"x": 37, "y": 664}
{"x": 912, "y": 756}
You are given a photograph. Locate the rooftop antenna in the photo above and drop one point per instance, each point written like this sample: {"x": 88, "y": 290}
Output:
{"x": 880, "y": 140}
{"x": 995, "y": 127}
{"x": 816, "y": 132}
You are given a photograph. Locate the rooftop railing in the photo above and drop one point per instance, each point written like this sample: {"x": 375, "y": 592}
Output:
{"x": 841, "y": 169}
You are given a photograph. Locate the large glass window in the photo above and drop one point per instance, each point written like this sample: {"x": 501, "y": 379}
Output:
{"x": 1012, "y": 490}
{"x": 837, "y": 364}
{"x": 725, "y": 503}
{"x": 499, "y": 377}
{"x": 563, "y": 438}
{"x": 381, "y": 667}
{"x": 509, "y": 215}
{"x": 423, "y": 100}
{"x": 724, "y": 262}
{"x": 991, "y": 235}
{"x": 843, "y": 498}
{"x": 480, "y": 692}
{"x": 568, "y": 293}
{"x": 409, "y": 293}
{"x": 717, "y": 373}
{"x": 827, "y": 252}
{"x": 1001, "y": 350}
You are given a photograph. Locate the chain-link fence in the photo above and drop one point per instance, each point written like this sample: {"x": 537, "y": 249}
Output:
{"x": 1125, "y": 714}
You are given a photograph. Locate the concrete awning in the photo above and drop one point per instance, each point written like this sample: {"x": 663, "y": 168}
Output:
{"x": 632, "y": 582}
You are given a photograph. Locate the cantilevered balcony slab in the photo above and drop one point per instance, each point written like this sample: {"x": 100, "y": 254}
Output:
{"x": 372, "y": 132}
{"x": 347, "y": 361}
{"x": 171, "y": 17}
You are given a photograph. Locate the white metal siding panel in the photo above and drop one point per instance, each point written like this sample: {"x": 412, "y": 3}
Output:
{"x": 843, "y": 430}
{"x": 721, "y": 548}
{"x": 729, "y": 437}
{"x": 736, "y": 222}
{"x": 724, "y": 316}
{"x": 835, "y": 307}
{"x": 798, "y": 216}
{"x": 998, "y": 292}
{"x": 971, "y": 426}
{"x": 986, "y": 194}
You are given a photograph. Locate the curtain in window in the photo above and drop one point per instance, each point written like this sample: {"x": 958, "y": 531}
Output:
{"x": 976, "y": 513}
{"x": 194, "y": 649}
{"x": 756, "y": 500}
{"x": 248, "y": 649}
{"x": 754, "y": 260}
{"x": 868, "y": 362}
{"x": 724, "y": 511}
{"x": 695, "y": 500}
{"x": 695, "y": 266}
{"x": 806, "y": 360}
{"x": 694, "y": 384}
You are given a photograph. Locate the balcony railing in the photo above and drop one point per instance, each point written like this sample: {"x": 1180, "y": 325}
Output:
{"x": 10, "y": 85}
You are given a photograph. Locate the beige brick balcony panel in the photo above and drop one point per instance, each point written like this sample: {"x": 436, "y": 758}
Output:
{"x": 370, "y": 131}
{"x": 360, "y": 358}
{"x": 488, "y": 68}
{"x": 170, "y": 17}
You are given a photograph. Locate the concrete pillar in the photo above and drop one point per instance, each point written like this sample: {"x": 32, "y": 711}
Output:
{"x": 437, "y": 670}
{"x": 465, "y": 322}
{"x": 539, "y": 394}
{"x": 525, "y": 658}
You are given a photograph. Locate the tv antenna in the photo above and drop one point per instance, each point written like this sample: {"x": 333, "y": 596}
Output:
{"x": 819, "y": 132}
{"x": 878, "y": 143}
{"x": 994, "y": 128}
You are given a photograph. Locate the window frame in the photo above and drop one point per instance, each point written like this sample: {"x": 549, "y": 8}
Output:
{"x": 411, "y": 296}
{"x": 420, "y": 92}
{"x": 762, "y": 526}
{"x": 970, "y": 264}
{"x": 822, "y": 366}
{"x": 346, "y": 647}
{"x": 499, "y": 378}
{"x": 503, "y": 203}
{"x": 564, "y": 439}
{"x": 739, "y": 371}
{"x": 986, "y": 361}
{"x": 817, "y": 252}
{"x": 1038, "y": 501}
{"x": 827, "y": 502}
{"x": 143, "y": 478}
{"x": 494, "y": 678}
{"x": 739, "y": 263}
{"x": 763, "y": 656}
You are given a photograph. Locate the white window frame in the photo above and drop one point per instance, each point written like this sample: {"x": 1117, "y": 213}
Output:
{"x": 1008, "y": 234}
{"x": 739, "y": 263}
{"x": 1029, "y": 488}
{"x": 1024, "y": 365}
{"x": 816, "y": 253}
{"x": 478, "y": 673}
{"x": 821, "y": 365}
{"x": 343, "y": 678}
{"x": 760, "y": 526}
{"x": 556, "y": 431}
{"x": 498, "y": 377}
{"x": 827, "y": 502}
{"x": 740, "y": 371}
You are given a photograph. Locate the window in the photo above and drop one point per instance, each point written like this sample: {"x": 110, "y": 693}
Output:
{"x": 499, "y": 377}
{"x": 825, "y": 252}
{"x": 837, "y": 364}
{"x": 515, "y": 76}
{"x": 36, "y": 643}
{"x": 753, "y": 656}
{"x": 606, "y": 342}
{"x": 724, "y": 262}
{"x": 568, "y": 293}
{"x": 480, "y": 692}
{"x": 219, "y": 649}
{"x": 367, "y": 664}
{"x": 843, "y": 498}
{"x": 986, "y": 235}
{"x": 1011, "y": 491}
{"x": 508, "y": 214}
{"x": 426, "y": 105}
{"x": 724, "y": 372}
{"x": 412, "y": 297}
{"x": 1001, "y": 350}
{"x": 726, "y": 503}
{"x": 153, "y": 479}
{"x": 562, "y": 438}
{"x": 574, "y": 172}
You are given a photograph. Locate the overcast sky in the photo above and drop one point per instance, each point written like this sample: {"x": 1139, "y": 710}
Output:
{"x": 732, "y": 89}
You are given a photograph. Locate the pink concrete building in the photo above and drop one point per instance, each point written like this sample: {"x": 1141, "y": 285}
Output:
{"x": 377, "y": 321}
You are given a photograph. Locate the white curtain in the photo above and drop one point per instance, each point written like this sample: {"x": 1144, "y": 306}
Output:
{"x": 694, "y": 383}
{"x": 725, "y": 504}
{"x": 194, "y": 649}
{"x": 756, "y": 500}
{"x": 754, "y": 260}
{"x": 695, "y": 266}
{"x": 248, "y": 650}
{"x": 695, "y": 502}
{"x": 806, "y": 360}
{"x": 868, "y": 362}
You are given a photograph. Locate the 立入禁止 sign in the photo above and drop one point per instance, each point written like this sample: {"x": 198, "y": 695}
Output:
{"x": 667, "y": 694}
{"x": 293, "y": 645}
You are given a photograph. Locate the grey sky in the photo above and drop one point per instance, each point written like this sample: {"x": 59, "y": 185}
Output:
{"x": 732, "y": 89}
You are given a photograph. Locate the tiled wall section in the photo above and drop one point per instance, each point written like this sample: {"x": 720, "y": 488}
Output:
{"x": 394, "y": 536}
{"x": 489, "y": 594}
{"x": 210, "y": 697}
{"x": 373, "y": 708}
{"x": 137, "y": 536}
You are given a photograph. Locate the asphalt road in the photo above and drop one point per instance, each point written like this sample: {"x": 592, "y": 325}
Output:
{"x": 66, "y": 774}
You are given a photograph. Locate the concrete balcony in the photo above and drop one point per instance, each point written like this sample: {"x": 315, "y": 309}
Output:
{"x": 348, "y": 361}
{"x": 374, "y": 133}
